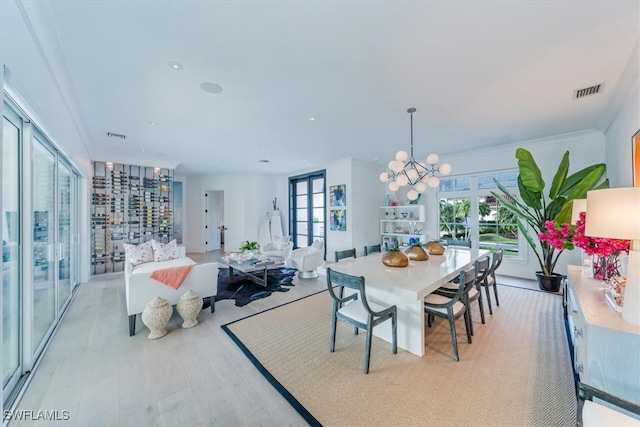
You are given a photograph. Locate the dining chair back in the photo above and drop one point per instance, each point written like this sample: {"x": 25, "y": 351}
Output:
{"x": 452, "y": 307}
{"x": 491, "y": 279}
{"x": 356, "y": 310}
{"x": 347, "y": 253}
{"x": 368, "y": 250}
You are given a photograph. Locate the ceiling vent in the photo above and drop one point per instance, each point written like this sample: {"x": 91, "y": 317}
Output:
{"x": 116, "y": 135}
{"x": 592, "y": 90}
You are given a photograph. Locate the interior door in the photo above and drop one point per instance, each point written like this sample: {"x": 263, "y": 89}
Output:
{"x": 63, "y": 252}
{"x": 212, "y": 220}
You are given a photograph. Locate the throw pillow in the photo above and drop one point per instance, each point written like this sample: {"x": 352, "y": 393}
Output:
{"x": 139, "y": 254}
{"x": 165, "y": 251}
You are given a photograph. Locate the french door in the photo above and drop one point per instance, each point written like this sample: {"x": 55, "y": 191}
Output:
{"x": 307, "y": 208}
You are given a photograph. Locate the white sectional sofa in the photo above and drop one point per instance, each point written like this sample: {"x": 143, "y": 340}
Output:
{"x": 141, "y": 288}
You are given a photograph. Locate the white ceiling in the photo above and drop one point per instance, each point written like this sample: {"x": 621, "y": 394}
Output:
{"x": 480, "y": 73}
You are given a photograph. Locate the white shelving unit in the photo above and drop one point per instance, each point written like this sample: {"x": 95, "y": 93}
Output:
{"x": 402, "y": 223}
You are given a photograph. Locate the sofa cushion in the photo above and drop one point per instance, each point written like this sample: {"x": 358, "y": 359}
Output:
{"x": 139, "y": 254}
{"x": 163, "y": 252}
{"x": 280, "y": 242}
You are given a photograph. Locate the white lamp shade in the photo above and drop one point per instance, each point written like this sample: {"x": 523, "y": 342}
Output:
{"x": 412, "y": 194}
{"x": 402, "y": 156}
{"x": 402, "y": 180}
{"x": 384, "y": 177}
{"x": 614, "y": 213}
{"x": 421, "y": 186}
{"x": 445, "y": 169}
{"x": 579, "y": 205}
{"x": 432, "y": 159}
{"x": 393, "y": 186}
{"x": 433, "y": 181}
{"x": 396, "y": 166}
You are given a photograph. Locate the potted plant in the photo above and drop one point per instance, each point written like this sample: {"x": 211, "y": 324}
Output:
{"x": 534, "y": 208}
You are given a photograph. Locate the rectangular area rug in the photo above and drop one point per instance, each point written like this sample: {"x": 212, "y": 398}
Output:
{"x": 517, "y": 371}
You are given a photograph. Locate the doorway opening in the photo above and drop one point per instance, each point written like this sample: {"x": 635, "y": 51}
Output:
{"x": 214, "y": 220}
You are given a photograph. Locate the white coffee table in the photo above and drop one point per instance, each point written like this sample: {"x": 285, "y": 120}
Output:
{"x": 256, "y": 270}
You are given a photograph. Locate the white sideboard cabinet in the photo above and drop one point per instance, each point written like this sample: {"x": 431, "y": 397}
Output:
{"x": 606, "y": 348}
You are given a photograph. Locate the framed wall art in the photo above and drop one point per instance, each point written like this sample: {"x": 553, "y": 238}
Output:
{"x": 338, "y": 195}
{"x": 338, "y": 220}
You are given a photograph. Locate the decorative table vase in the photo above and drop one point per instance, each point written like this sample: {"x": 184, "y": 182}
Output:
{"x": 189, "y": 307}
{"x": 434, "y": 248}
{"x": 155, "y": 316}
{"x": 395, "y": 258}
{"x": 417, "y": 253}
{"x": 606, "y": 267}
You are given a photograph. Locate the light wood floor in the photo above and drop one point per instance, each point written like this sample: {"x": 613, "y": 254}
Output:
{"x": 196, "y": 376}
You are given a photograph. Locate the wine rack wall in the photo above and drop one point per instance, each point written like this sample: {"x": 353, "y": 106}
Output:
{"x": 129, "y": 204}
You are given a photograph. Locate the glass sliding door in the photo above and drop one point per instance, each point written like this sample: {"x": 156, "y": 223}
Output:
{"x": 11, "y": 295}
{"x": 63, "y": 248}
{"x": 43, "y": 191}
{"x": 307, "y": 208}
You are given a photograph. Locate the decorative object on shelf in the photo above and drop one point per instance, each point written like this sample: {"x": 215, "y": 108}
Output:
{"x": 418, "y": 175}
{"x": 189, "y": 307}
{"x": 416, "y": 252}
{"x": 394, "y": 257}
{"x": 434, "y": 248}
{"x": 613, "y": 213}
{"x": 535, "y": 208}
{"x": 155, "y": 316}
{"x": 249, "y": 245}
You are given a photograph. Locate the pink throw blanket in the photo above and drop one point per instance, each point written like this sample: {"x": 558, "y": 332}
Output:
{"x": 172, "y": 276}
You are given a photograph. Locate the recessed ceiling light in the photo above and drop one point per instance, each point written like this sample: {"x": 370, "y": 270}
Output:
{"x": 142, "y": 149}
{"x": 264, "y": 161}
{"x": 176, "y": 65}
{"x": 152, "y": 123}
{"x": 211, "y": 87}
{"x": 258, "y": 146}
{"x": 312, "y": 119}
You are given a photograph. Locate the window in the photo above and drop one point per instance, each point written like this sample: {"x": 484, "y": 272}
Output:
{"x": 469, "y": 213}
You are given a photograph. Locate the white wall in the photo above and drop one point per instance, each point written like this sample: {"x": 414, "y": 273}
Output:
{"x": 367, "y": 198}
{"x": 247, "y": 199}
{"x": 618, "y": 141}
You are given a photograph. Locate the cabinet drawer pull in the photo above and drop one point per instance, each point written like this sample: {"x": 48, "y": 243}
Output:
{"x": 577, "y": 332}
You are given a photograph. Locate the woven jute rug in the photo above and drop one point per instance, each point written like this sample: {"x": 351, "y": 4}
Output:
{"x": 517, "y": 371}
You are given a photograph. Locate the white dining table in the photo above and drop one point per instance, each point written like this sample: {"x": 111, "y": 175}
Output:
{"x": 406, "y": 288}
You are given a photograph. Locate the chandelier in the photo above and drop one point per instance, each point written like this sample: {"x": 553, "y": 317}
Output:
{"x": 418, "y": 175}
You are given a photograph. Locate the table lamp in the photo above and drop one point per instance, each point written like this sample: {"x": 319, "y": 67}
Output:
{"x": 580, "y": 205}
{"x": 615, "y": 213}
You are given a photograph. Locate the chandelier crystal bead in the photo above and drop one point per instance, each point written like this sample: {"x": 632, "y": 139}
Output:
{"x": 406, "y": 171}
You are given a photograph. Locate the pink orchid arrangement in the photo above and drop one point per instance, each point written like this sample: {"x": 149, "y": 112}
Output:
{"x": 555, "y": 236}
{"x": 599, "y": 246}
{"x": 607, "y": 250}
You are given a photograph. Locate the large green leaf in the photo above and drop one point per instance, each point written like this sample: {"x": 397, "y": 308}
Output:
{"x": 589, "y": 182}
{"x": 559, "y": 177}
{"x": 554, "y": 207}
{"x": 565, "y": 214}
{"x": 530, "y": 198}
{"x": 574, "y": 179}
{"x": 529, "y": 171}
{"x": 605, "y": 184}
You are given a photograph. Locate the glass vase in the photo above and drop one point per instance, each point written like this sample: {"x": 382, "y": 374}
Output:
{"x": 606, "y": 267}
